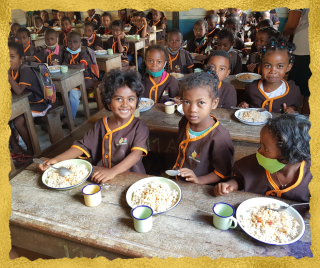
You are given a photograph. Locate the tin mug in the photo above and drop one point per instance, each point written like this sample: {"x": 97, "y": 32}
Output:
{"x": 142, "y": 218}
{"x": 223, "y": 216}
{"x": 137, "y": 37}
{"x": 110, "y": 51}
{"x": 170, "y": 107}
{"x": 92, "y": 194}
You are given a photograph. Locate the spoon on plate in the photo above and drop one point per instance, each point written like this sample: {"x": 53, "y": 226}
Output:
{"x": 62, "y": 170}
{"x": 282, "y": 208}
{"x": 172, "y": 172}
{"x": 255, "y": 109}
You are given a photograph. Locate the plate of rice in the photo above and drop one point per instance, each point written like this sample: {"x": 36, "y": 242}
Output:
{"x": 54, "y": 68}
{"x": 101, "y": 52}
{"x": 177, "y": 76}
{"x": 159, "y": 193}
{"x": 145, "y": 104}
{"x": 252, "y": 117}
{"x": 81, "y": 169}
{"x": 247, "y": 77}
{"x": 271, "y": 227}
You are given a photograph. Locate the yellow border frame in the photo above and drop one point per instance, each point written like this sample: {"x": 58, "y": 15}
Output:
{"x": 169, "y": 5}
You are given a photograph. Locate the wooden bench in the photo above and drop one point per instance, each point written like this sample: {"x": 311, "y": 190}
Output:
{"x": 53, "y": 122}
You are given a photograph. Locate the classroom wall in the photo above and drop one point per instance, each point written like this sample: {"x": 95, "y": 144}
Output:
{"x": 19, "y": 16}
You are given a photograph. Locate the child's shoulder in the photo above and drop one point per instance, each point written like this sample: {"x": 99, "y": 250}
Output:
{"x": 139, "y": 123}
{"x": 227, "y": 86}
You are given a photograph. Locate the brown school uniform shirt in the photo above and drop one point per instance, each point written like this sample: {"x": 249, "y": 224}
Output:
{"x": 108, "y": 148}
{"x": 135, "y": 30}
{"x": 30, "y": 50}
{"x": 239, "y": 43}
{"x": 244, "y": 21}
{"x": 254, "y": 58}
{"x": 227, "y": 95}
{"x": 43, "y": 29}
{"x": 211, "y": 152}
{"x": 96, "y": 19}
{"x": 213, "y": 33}
{"x": 75, "y": 21}
{"x": 44, "y": 56}
{"x": 161, "y": 36}
{"x": 178, "y": 65}
{"x": 256, "y": 98}
{"x": 236, "y": 63}
{"x": 103, "y": 30}
{"x": 93, "y": 43}
{"x": 252, "y": 177}
{"x": 62, "y": 40}
{"x": 162, "y": 92}
{"x": 111, "y": 43}
{"x": 192, "y": 47}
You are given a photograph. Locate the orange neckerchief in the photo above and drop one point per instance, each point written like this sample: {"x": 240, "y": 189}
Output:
{"x": 107, "y": 32}
{"x": 94, "y": 37}
{"x": 155, "y": 88}
{"x": 138, "y": 30}
{"x": 38, "y": 31}
{"x": 114, "y": 45}
{"x": 153, "y": 23}
{"x": 172, "y": 60}
{"x": 72, "y": 61}
{"x": 198, "y": 47}
{"x": 65, "y": 41}
{"x": 14, "y": 76}
{"x": 220, "y": 84}
{"x": 25, "y": 50}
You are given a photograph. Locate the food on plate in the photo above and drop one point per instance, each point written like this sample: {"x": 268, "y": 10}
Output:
{"x": 270, "y": 226}
{"x": 155, "y": 195}
{"x": 54, "y": 68}
{"x": 100, "y": 51}
{"x": 253, "y": 116}
{"x": 177, "y": 75}
{"x": 145, "y": 104}
{"x": 247, "y": 76}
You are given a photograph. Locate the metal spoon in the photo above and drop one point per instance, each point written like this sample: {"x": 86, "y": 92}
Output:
{"x": 172, "y": 172}
{"x": 62, "y": 171}
{"x": 282, "y": 208}
{"x": 256, "y": 109}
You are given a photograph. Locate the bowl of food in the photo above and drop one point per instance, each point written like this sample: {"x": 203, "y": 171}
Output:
{"x": 248, "y": 44}
{"x": 252, "y": 117}
{"x": 247, "y": 77}
{"x": 101, "y": 52}
{"x": 256, "y": 219}
{"x": 145, "y": 104}
{"x": 54, "y": 68}
{"x": 159, "y": 193}
{"x": 177, "y": 76}
{"x": 81, "y": 169}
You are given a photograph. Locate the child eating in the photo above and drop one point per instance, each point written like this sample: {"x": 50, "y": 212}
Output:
{"x": 73, "y": 20}
{"x": 272, "y": 92}
{"x": 159, "y": 85}
{"x": 198, "y": 44}
{"x": 205, "y": 146}
{"x": 95, "y": 18}
{"x": 213, "y": 22}
{"x": 117, "y": 143}
{"x": 180, "y": 60}
{"x": 281, "y": 167}
{"x": 23, "y": 36}
{"x": 14, "y": 27}
{"x": 160, "y": 24}
{"x": 233, "y": 25}
{"x": 38, "y": 23}
{"x": 105, "y": 21}
{"x": 122, "y": 15}
{"x": 45, "y": 18}
{"x": 65, "y": 30}
{"x": 219, "y": 64}
{"x": 90, "y": 38}
{"x": 60, "y": 15}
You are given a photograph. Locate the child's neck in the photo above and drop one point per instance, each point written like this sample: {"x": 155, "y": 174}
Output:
{"x": 116, "y": 122}
{"x": 270, "y": 87}
{"x": 25, "y": 45}
{"x": 203, "y": 125}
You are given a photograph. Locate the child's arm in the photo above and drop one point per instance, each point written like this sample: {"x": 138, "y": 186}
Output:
{"x": 17, "y": 88}
{"x": 120, "y": 47}
{"x": 190, "y": 176}
{"x": 201, "y": 57}
{"x": 225, "y": 187}
{"x": 144, "y": 31}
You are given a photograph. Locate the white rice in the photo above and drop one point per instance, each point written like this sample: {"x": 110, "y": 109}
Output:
{"x": 144, "y": 104}
{"x": 155, "y": 195}
{"x": 270, "y": 226}
{"x": 56, "y": 181}
{"x": 253, "y": 116}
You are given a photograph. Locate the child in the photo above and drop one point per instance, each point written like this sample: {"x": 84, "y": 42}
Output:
{"x": 52, "y": 54}
{"x": 262, "y": 37}
{"x": 60, "y": 15}
{"x": 205, "y": 146}
{"x": 243, "y": 17}
{"x": 45, "y": 18}
{"x": 90, "y": 38}
{"x": 76, "y": 56}
{"x": 106, "y": 21}
{"x": 225, "y": 42}
{"x": 213, "y": 22}
{"x": 39, "y": 28}
{"x": 281, "y": 167}
{"x": 199, "y": 43}
{"x": 127, "y": 135}
{"x": 23, "y": 36}
{"x": 262, "y": 24}
{"x": 272, "y": 92}
{"x": 72, "y": 18}
{"x": 223, "y": 16}
{"x": 143, "y": 29}
{"x": 94, "y": 18}
{"x": 122, "y": 15}
{"x": 14, "y": 27}
{"x": 219, "y": 64}
{"x": 65, "y": 30}
{"x": 180, "y": 60}
{"x": 160, "y": 24}
{"x": 54, "y": 16}
{"x": 233, "y": 24}
{"x": 131, "y": 20}
{"x": 119, "y": 42}
{"x": 159, "y": 85}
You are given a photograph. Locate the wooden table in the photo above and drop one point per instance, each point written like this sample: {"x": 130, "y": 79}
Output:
{"x": 153, "y": 36}
{"x": 39, "y": 41}
{"x": 231, "y": 79}
{"x": 63, "y": 83}
{"x": 20, "y": 106}
{"x": 108, "y": 62}
{"x": 58, "y": 224}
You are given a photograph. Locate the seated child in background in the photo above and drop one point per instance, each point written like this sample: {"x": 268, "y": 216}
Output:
{"x": 23, "y": 36}
{"x": 60, "y": 15}
{"x": 54, "y": 16}
{"x": 160, "y": 24}
{"x": 223, "y": 16}
{"x": 131, "y": 20}
{"x": 38, "y": 24}
{"x": 272, "y": 91}
{"x": 244, "y": 21}
{"x": 159, "y": 85}
{"x": 122, "y": 15}
{"x": 13, "y": 33}
{"x": 90, "y": 38}
{"x": 94, "y": 18}
{"x": 119, "y": 42}
{"x": 262, "y": 37}
{"x": 45, "y": 18}
{"x": 76, "y": 56}
{"x": 205, "y": 147}
{"x": 233, "y": 24}
{"x": 213, "y": 22}
{"x": 142, "y": 28}
{"x": 52, "y": 54}
{"x": 180, "y": 60}
{"x": 105, "y": 21}
{"x": 225, "y": 42}
{"x": 65, "y": 30}
{"x": 219, "y": 63}
{"x": 262, "y": 24}
{"x": 121, "y": 93}
{"x": 72, "y": 18}
{"x": 281, "y": 167}
{"x": 199, "y": 43}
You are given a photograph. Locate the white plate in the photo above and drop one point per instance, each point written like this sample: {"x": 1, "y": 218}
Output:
{"x": 146, "y": 109}
{"x": 248, "y": 44}
{"x": 257, "y": 77}
{"x": 56, "y": 28}
{"x": 177, "y": 76}
{"x": 193, "y": 55}
{"x": 137, "y": 185}
{"x": 101, "y": 52}
{"x": 236, "y": 114}
{"x": 54, "y": 71}
{"x": 180, "y": 110}
{"x": 68, "y": 162}
{"x": 258, "y": 201}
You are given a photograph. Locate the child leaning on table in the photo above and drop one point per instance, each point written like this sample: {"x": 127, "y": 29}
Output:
{"x": 199, "y": 43}
{"x": 158, "y": 21}
{"x": 206, "y": 152}
{"x": 65, "y": 30}
{"x": 90, "y": 39}
{"x": 116, "y": 143}
{"x": 281, "y": 167}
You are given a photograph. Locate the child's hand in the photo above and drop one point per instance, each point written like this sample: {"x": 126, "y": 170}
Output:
{"x": 46, "y": 25}
{"x": 51, "y": 161}
{"x": 101, "y": 174}
{"x": 288, "y": 110}
{"x": 98, "y": 48}
{"x": 251, "y": 67}
{"x": 223, "y": 188}
{"x": 121, "y": 36}
{"x": 189, "y": 175}
{"x": 144, "y": 20}
{"x": 243, "y": 105}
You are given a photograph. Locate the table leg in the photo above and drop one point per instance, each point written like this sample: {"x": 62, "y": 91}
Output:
{"x": 67, "y": 108}
{"x": 32, "y": 132}
{"x": 136, "y": 55}
{"x": 84, "y": 98}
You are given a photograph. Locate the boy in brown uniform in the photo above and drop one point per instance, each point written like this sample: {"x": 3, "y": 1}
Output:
{"x": 160, "y": 24}
{"x": 90, "y": 38}
{"x": 23, "y": 36}
{"x": 199, "y": 43}
{"x": 14, "y": 27}
{"x": 213, "y": 22}
{"x": 39, "y": 27}
{"x": 45, "y": 18}
{"x": 65, "y": 30}
{"x": 233, "y": 24}
{"x": 72, "y": 18}
{"x": 105, "y": 21}
{"x": 94, "y": 18}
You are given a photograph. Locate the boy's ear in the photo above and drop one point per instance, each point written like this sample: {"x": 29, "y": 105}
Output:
{"x": 228, "y": 72}
{"x": 289, "y": 67}
{"x": 215, "y": 103}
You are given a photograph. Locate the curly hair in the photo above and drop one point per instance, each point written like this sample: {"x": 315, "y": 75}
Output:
{"x": 50, "y": 31}
{"x": 226, "y": 33}
{"x": 37, "y": 18}
{"x": 23, "y": 30}
{"x": 219, "y": 53}
{"x": 66, "y": 18}
{"x": 18, "y": 47}
{"x": 200, "y": 80}
{"x": 232, "y": 20}
{"x": 265, "y": 23}
{"x": 118, "y": 23}
{"x": 90, "y": 24}
{"x": 115, "y": 79}
{"x": 204, "y": 22}
{"x": 272, "y": 32}
{"x": 291, "y": 132}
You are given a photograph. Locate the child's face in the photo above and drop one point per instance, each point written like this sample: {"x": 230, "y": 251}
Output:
{"x": 197, "y": 104}
{"x": 74, "y": 42}
{"x": 50, "y": 39}
{"x": 38, "y": 23}
{"x": 274, "y": 66}
{"x": 106, "y": 21}
{"x": 155, "y": 60}
{"x": 54, "y": 14}
{"x": 174, "y": 41}
{"x": 261, "y": 40}
{"x": 14, "y": 29}
{"x": 123, "y": 103}
{"x": 71, "y": 15}
{"x": 199, "y": 30}
{"x": 222, "y": 11}
{"x": 224, "y": 44}
{"x": 231, "y": 26}
{"x": 212, "y": 23}
{"x": 221, "y": 66}
{"x": 116, "y": 31}
{"x": 60, "y": 15}
{"x": 44, "y": 16}
{"x": 122, "y": 15}
{"x": 268, "y": 144}
{"x": 23, "y": 38}
{"x": 65, "y": 25}
{"x": 138, "y": 21}
{"x": 14, "y": 59}
{"x": 156, "y": 15}
{"x": 90, "y": 12}
{"x": 88, "y": 31}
